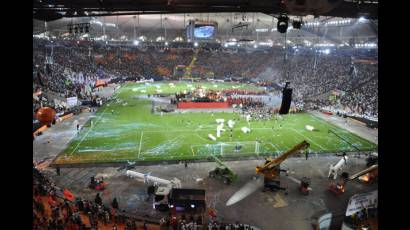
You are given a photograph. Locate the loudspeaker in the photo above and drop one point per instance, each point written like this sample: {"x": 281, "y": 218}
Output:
{"x": 286, "y": 100}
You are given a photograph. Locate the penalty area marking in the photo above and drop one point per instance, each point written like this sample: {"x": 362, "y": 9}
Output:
{"x": 277, "y": 150}
{"x": 308, "y": 138}
{"x": 91, "y": 128}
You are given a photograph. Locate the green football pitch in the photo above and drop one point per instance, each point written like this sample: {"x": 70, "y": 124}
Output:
{"x": 124, "y": 129}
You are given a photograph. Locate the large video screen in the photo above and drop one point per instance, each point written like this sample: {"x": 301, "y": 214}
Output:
{"x": 204, "y": 32}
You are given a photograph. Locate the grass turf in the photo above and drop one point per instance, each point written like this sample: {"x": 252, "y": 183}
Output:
{"x": 133, "y": 133}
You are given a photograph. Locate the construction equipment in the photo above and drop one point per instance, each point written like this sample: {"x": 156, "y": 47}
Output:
{"x": 223, "y": 172}
{"x": 339, "y": 187}
{"x": 160, "y": 189}
{"x": 372, "y": 159}
{"x": 271, "y": 169}
{"x": 175, "y": 183}
{"x": 367, "y": 175}
{"x": 304, "y": 186}
{"x": 334, "y": 169}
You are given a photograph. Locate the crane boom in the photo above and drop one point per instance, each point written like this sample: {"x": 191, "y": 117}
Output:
{"x": 271, "y": 163}
{"x": 371, "y": 168}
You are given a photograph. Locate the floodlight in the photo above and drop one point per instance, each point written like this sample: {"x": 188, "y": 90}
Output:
{"x": 362, "y": 19}
{"x": 297, "y": 24}
{"x": 282, "y": 25}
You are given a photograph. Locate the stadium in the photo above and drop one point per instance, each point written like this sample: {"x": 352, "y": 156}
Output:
{"x": 168, "y": 116}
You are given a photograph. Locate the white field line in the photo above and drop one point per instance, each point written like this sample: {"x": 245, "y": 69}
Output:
{"x": 190, "y": 130}
{"x": 201, "y": 137}
{"x": 139, "y": 150}
{"x": 173, "y": 139}
{"x": 343, "y": 129}
{"x": 91, "y": 128}
{"x": 308, "y": 138}
{"x": 274, "y": 147}
{"x": 103, "y": 150}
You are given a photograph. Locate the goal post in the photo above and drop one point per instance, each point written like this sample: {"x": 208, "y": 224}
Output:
{"x": 228, "y": 148}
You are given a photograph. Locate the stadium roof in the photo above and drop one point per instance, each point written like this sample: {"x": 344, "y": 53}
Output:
{"x": 55, "y": 9}
{"x": 259, "y": 27}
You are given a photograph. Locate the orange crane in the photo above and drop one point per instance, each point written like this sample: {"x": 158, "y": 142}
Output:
{"x": 271, "y": 169}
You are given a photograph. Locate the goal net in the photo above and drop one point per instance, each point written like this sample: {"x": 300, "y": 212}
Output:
{"x": 241, "y": 148}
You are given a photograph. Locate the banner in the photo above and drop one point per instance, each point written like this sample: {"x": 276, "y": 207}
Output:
{"x": 361, "y": 201}
{"x": 72, "y": 101}
{"x": 99, "y": 83}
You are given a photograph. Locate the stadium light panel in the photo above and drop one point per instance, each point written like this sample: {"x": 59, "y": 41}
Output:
{"x": 110, "y": 24}
{"x": 297, "y": 24}
{"x": 282, "y": 25}
{"x": 362, "y": 19}
{"x": 136, "y": 42}
{"x": 196, "y": 44}
{"x": 166, "y": 43}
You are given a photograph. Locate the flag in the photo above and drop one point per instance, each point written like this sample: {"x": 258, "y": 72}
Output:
{"x": 68, "y": 195}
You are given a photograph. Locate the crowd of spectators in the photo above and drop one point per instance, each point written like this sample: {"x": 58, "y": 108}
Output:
{"x": 72, "y": 69}
{"x": 229, "y": 92}
{"x": 253, "y": 106}
{"x": 313, "y": 78}
{"x": 53, "y": 209}
{"x": 224, "y": 226}
{"x": 245, "y": 102}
